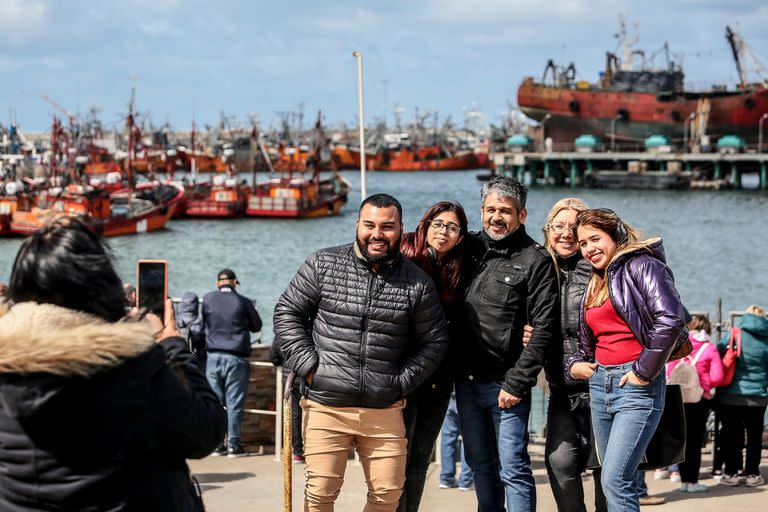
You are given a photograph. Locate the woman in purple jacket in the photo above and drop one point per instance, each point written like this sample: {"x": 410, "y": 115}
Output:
{"x": 631, "y": 321}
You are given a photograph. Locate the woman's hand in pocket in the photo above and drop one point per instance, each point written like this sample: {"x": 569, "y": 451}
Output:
{"x": 583, "y": 370}
{"x": 632, "y": 379}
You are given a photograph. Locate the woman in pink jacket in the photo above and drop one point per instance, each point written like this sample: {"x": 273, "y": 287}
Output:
{"x": 710, "y": 370}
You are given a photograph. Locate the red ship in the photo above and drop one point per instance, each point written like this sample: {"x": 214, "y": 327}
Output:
{"x": 631, "y": 104}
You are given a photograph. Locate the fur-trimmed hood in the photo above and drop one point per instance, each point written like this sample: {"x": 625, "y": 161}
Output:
{"x": 48, "y": 339}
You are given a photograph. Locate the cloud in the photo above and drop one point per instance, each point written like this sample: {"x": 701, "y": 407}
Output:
{"x": 359, "y": 21}
{"x": 20, "y": 19}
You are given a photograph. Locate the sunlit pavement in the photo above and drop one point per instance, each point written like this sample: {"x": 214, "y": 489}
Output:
{"x": 256, "y": 483}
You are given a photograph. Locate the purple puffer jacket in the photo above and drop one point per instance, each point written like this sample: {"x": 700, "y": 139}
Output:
{"x": 642, "y": 290}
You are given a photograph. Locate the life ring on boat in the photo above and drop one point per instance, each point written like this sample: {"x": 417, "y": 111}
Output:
{"x": 574, "y": 106}
{"x": 749, "y": 103}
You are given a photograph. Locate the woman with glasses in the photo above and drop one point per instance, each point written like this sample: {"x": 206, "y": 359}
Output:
{"x": 436, "y": 247}
{"x": 631, "y": 322}
{"x": 568, "y": 416}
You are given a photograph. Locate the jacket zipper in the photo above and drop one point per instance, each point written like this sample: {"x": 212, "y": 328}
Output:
{"x": 364, "y": 335}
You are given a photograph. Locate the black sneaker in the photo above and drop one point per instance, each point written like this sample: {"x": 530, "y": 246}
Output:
{"x": 236, "y": 451}
{"x": 220, "y": 451}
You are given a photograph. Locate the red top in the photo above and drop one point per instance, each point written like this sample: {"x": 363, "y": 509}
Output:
{"x": 615, "y": 342}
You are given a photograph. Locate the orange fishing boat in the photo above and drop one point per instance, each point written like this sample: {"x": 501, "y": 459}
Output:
{"x": 220, "y": 198}
{"x": 298, "y": 197}
{"x": 146, "y": 208}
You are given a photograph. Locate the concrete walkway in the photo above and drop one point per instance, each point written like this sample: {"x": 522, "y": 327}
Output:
{"x": 255, "y": 483}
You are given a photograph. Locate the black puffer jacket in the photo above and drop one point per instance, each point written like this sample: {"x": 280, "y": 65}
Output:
{"x": 513, "y": 284}
{"x": 370, "y": 337}
{"x": 96, "y": 416}
{"x": 575, "y": 272}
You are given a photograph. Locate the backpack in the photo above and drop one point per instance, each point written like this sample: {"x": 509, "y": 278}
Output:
{"x": 729, "y": 358}
{"x": 687, "y": 377}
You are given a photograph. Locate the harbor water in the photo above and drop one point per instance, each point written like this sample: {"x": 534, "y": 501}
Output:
{"x": 715, "y": 241}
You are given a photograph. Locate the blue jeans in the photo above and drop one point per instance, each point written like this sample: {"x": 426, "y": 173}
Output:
{"x": 449, "y": 445}
{"x": 496, "y": 447}
{"x": 228, "y": 375}
{"x": 623, "y": 421}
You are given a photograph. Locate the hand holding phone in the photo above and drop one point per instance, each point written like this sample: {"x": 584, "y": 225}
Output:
{"x": 152, "y": 286}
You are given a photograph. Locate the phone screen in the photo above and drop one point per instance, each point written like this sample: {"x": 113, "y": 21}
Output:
{"x": 152, "y": 286}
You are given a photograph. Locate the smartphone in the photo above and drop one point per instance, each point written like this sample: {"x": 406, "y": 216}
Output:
{"x": 152, "y": 287}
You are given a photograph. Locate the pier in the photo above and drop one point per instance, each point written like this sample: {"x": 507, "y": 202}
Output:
{"x": 634, "y": 169}
{"x": 255, "y": 483}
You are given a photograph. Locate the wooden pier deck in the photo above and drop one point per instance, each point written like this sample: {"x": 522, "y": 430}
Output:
{"x": 646, "y": 169}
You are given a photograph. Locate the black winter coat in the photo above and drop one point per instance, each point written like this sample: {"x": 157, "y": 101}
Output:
{"x": 96, "y": 416}
{"x": 371, "y": 338}
{"x": 513, "y": 283}
{"x": 575, "y": 272}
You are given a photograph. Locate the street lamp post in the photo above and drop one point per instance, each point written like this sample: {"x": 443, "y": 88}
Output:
{"x": 613, "y": 132}
{"x": 760, "y": 133}
{"x": 359, "y": 56}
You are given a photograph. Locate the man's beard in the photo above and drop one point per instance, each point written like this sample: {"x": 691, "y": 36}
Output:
{"x": 496, "y": 237}
{"x": 391, "y": 252}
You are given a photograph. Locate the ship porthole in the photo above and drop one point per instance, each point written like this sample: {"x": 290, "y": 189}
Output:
{"x": 573, "y": 106}
{"x": 676, "y": 115}
{"x": 749, "y": 103}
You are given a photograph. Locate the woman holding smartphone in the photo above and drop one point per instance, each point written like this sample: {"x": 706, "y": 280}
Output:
{"x": 631, "y": 321}
{"x": 99, "y": 411}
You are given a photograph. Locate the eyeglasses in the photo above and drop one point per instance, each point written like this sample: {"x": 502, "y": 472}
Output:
{"x": 561, "y": 227}
{"x": 452, "y": 228}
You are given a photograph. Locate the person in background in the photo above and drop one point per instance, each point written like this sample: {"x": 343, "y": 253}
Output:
{"x": 632, "y": 321}
{"x": 3, "y": 289}
{"x": 709, "y": 367}
{"x": 452, "y": 451}
{"x": 513, "y": 282}
{"x": 99, "y": 410}
{"x": 228, "y": 319}
{"x": 190, "y": 325}
{"x": 742, "y": 404}
{"x": 130, "y": 295}
{"x": 363, "y": 327}
{"x": 436, "y": 247}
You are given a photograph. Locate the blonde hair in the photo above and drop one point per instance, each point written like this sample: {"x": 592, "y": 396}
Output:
{"x": 626, "y": 238}
{"x": 568, "y": 203}
{"x": 754, "y": 309}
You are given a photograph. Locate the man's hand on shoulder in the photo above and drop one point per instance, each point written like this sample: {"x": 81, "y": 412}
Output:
{"x": 507, "y": 400}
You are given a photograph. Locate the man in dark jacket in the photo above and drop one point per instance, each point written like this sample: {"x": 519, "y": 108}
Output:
{"x": 363, "y": 326}
{"x": 513, "y": 282}
{"x": 229, "y": 318}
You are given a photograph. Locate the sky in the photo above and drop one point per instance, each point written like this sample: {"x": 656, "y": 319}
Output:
{"x": 196, "y": 59}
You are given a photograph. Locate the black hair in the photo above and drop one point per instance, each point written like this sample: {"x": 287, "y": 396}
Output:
{"x": 67, "y": 265}
{"x": 383, "y": 201}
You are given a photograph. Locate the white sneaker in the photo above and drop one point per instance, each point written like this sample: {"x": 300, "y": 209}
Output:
{"x": 661, "y": 474}
{"x": 674, "y": 477}
{"x": 754, "y": 480}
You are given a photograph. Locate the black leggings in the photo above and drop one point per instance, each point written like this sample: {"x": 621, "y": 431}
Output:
{"x": 695, "y": 425}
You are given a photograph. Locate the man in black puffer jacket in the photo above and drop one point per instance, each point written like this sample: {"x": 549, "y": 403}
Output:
{"x": 364, "y": 327}
{"x": 513, "y": 282}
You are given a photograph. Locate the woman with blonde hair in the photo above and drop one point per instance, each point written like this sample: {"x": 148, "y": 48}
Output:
{"x": 568, "y": 424}
{"x": 631, "y": 322}
{"x": 742, "y": 404}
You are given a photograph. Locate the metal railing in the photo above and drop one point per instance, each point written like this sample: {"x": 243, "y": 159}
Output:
{"x": 278, "y": 412}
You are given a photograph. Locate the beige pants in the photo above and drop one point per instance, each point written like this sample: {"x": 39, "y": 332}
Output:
{"x": 378, "y": 435}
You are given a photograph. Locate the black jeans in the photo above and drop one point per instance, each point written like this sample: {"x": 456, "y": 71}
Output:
{"x": 736, "y": 420}
{"x": 423, "y": 415}
{"x": 569, "y": 435}
{"x": 695, "y": 425}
